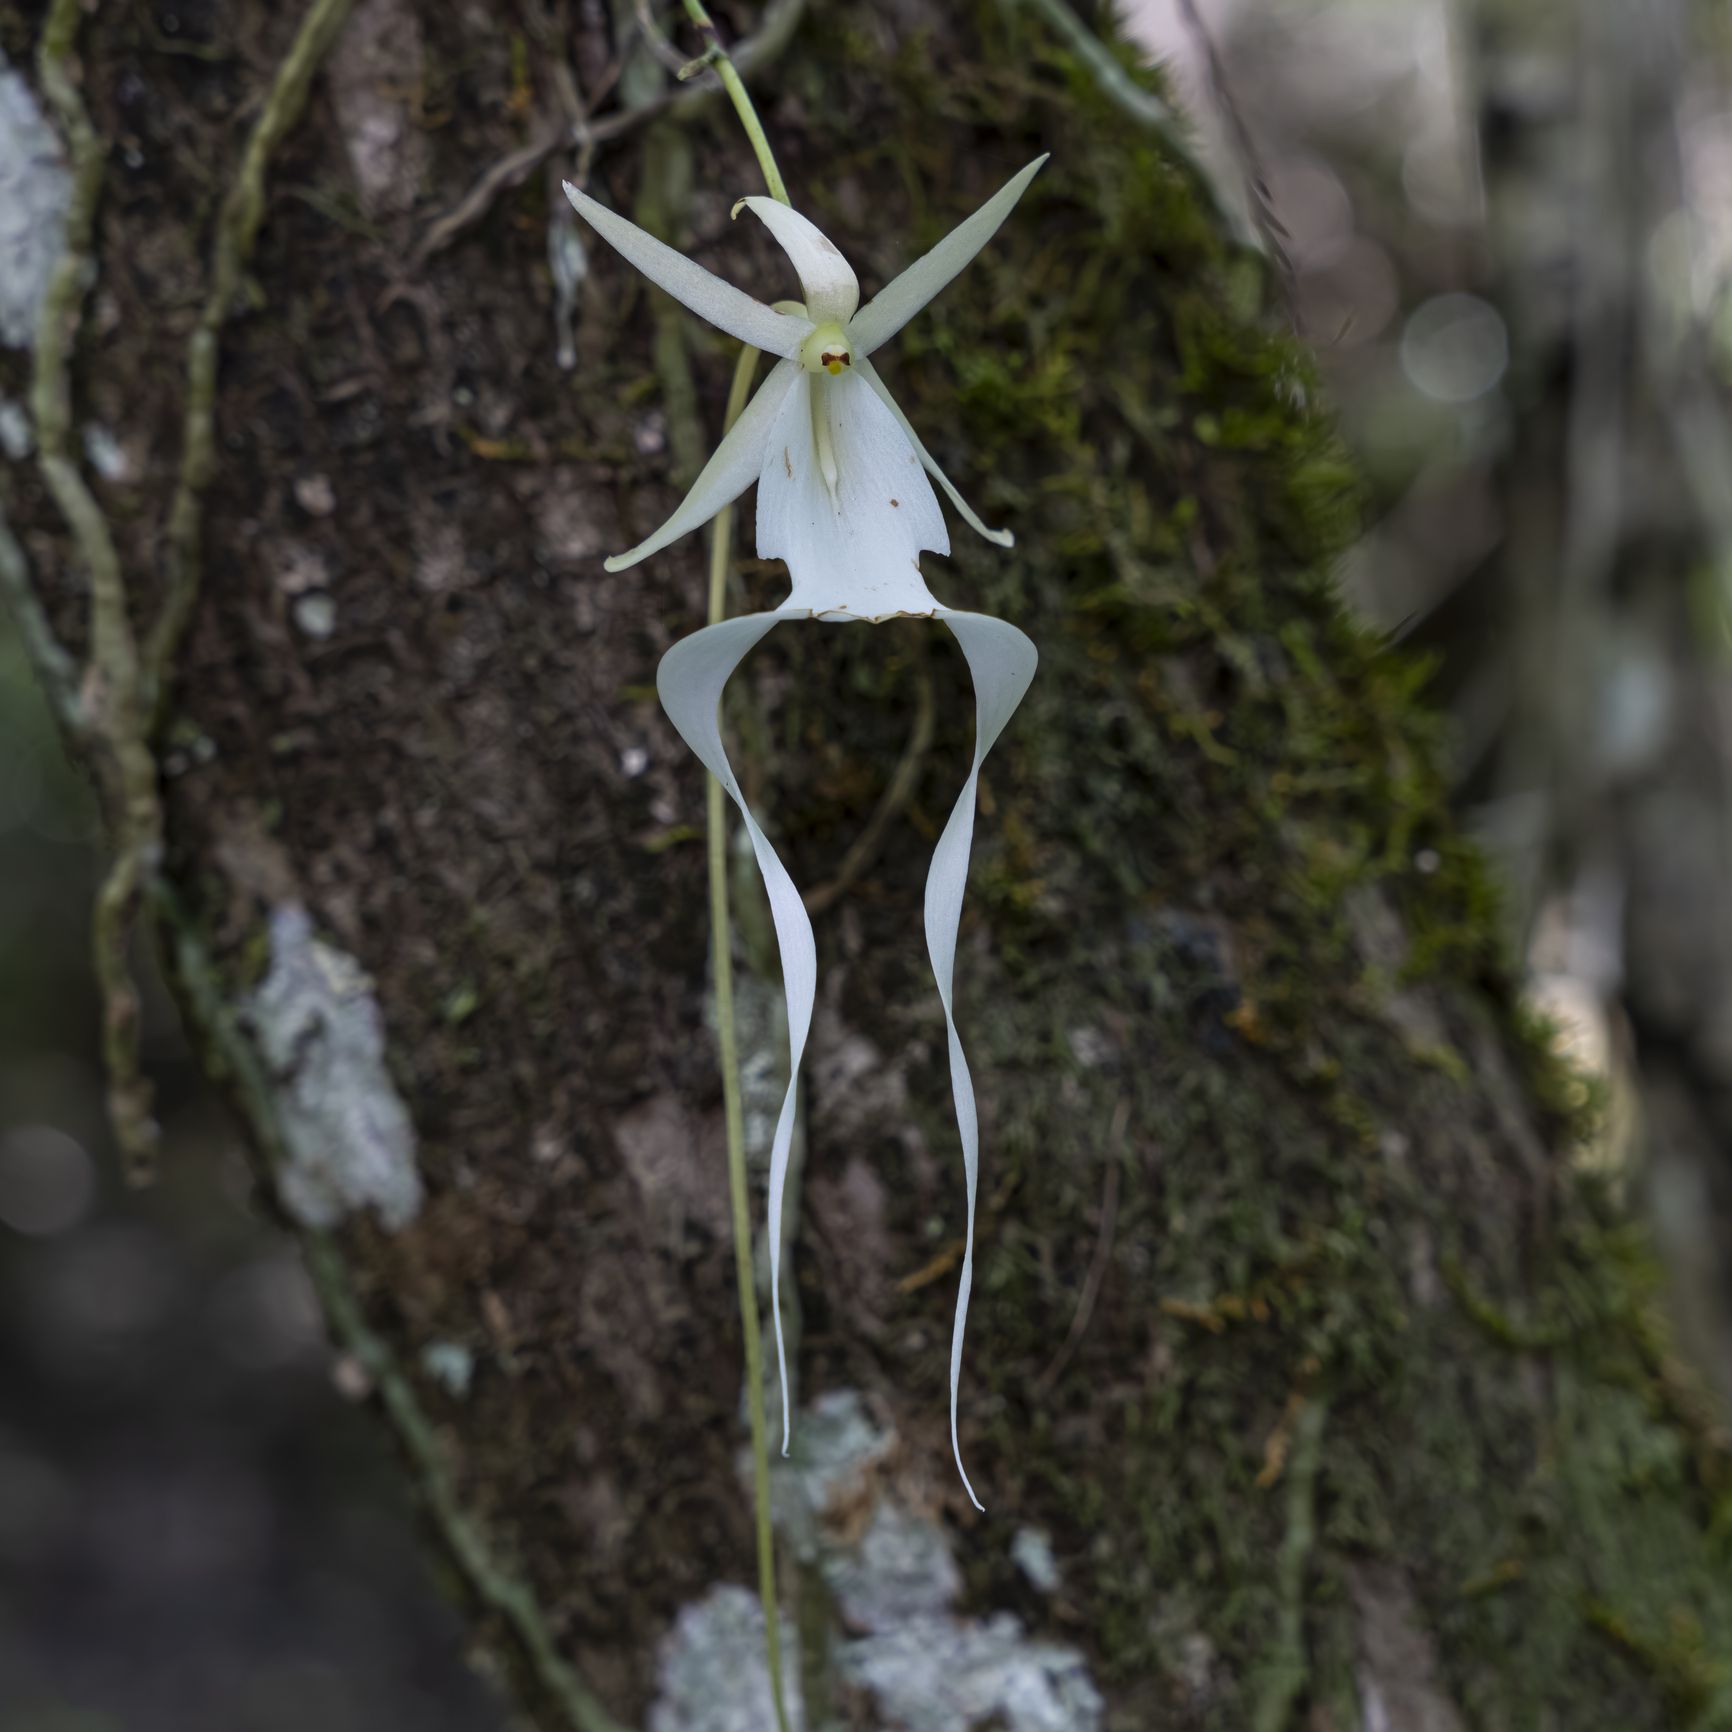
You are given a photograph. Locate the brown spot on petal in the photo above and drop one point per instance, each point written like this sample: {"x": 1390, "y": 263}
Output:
{"x": 787, "y": 463}
{"x": 897, "y": 503}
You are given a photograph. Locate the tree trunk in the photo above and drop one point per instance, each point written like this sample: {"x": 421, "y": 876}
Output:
{"x": 1311, "y": 1380}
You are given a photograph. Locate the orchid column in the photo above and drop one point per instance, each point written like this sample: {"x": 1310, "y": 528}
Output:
{"x": 844, "y": 499}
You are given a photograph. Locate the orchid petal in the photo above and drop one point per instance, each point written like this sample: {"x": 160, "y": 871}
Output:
{"x": 728, "y": 308}
{"x": 853, "y": 550}
{"x": 690, "y": 681}
{"x": 734, "y": 466}
{"x": 998, "y": 537}
{"x": 1002, "y": 661}
{"x": 898, "y": 301}
{"x": 831, "y": 289}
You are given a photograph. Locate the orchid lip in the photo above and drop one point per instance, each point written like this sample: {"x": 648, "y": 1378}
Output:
{"x": 827, "y": 350}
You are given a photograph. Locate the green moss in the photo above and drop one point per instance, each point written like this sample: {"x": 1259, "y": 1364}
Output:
{"x": 1213, "y": 768}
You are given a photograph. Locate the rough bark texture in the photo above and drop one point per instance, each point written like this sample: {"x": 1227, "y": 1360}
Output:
{"x": 1366, "y": 1419}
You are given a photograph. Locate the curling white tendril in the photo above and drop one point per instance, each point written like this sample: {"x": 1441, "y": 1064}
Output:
{"x": 843, "y": 498}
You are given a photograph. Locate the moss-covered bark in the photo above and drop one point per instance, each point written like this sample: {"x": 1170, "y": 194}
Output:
{"x": 1368, "y": 1400}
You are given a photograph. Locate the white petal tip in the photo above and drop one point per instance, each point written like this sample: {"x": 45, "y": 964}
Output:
{"x": 617, "y": 562}
{"x": 734, "y": 214}
{"x": 1001, "y": 538}
{"x": 570, "y": 192}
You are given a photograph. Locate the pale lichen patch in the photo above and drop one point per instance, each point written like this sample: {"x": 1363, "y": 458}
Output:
{"x": 34, "y": 190}
{"x": 711, "y": 1668}
{"x": 348, "y": 1143}
{"x": 894, "y": 1582}
{"x": 451, "y": 1365}
{"x": 375, "y": 70}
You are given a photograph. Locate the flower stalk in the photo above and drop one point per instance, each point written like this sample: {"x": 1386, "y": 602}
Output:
{"x": 721, "y": 940}
{"x": 716, "y": 55}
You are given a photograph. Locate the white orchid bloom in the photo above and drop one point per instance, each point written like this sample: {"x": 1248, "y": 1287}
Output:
{"x": 843, "y": 498}
{"x": 823, "y": 437}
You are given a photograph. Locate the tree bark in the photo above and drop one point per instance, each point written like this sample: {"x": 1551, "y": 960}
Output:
{"x": 1312, "y": 1380}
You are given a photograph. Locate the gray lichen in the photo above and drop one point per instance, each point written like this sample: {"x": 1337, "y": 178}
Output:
{"x": 450, "y": 1364}
{"x": 1031, "y": 1551}
{"x": 348, "y": 1140}
{"x": 375, "y": 68}
{"x": 34, "y": 189}
{"x": 895, "y": 1585}
{"x": 17, "y": 440}
{"x": 901, "y": 1569}
{"x": 712, "y": 1672}
{"x": 839, "y": 1446}
{"x": 948, "y": 1674}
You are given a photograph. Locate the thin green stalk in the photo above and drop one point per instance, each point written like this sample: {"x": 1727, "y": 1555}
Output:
{"x": 721, "y": 931}
{"x": 717, "y": 56}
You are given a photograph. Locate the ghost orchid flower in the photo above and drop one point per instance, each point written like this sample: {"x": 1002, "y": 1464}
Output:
{"x": 843, "y": 498}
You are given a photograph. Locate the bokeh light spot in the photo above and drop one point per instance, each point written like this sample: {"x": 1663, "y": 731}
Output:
{"x": 1454, "y": 348}
{"x": 47, "y": 1181}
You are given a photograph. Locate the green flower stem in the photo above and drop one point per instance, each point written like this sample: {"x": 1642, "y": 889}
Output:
{"x": 717, "y": 56}
{"x": 721, "y": 931}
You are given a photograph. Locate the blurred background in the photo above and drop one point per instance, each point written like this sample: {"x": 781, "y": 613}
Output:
{"x": 199, "y": 1528}
{"x": 1505, "y": 226}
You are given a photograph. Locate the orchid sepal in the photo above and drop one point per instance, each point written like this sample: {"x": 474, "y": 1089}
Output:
{"x": 729, "y": 309}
